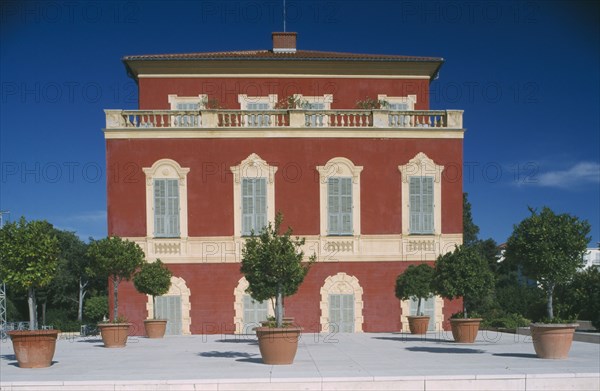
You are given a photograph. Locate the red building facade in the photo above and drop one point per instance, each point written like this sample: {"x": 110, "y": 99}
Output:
{"x": 344, "y": 145}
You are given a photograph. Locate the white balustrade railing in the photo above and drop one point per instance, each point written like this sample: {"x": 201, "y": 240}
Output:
{"x": 295, "y": 118}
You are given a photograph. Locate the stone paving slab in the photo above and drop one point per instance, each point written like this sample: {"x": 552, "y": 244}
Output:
{"x": 364, "y": 361}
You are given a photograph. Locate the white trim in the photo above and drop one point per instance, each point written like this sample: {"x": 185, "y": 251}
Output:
{"x": 410, "y": 100}
{"x": 339, "y": 167}
{"x": 276, "y": 76}
{"x": 252, "y": 167}
{"x": 341, "y": 283}
{"x": 166, "y": 169}
{"x": 421, "y": 165}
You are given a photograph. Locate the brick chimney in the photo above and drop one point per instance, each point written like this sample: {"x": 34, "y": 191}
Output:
{"x": 284, "y": 42}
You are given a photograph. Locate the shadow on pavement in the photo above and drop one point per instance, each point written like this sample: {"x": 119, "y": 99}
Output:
{"x": 228, "y": 354}
{"x": 443, "y": 350}
{"x": 518, "y": 355}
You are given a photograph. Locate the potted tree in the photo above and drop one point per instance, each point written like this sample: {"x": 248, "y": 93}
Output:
{"x": 416, "y": 283}
{"x": 118, "y": 259}
{"x": 272, "y": 264}
{"x": 463, "y": 273}
{"x": 29, "y": 253}
{"x": 549, "y": 248}
{"x": 153, "y": 279}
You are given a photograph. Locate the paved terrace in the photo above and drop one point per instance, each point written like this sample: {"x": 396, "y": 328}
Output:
{"x": 394, "y": 361}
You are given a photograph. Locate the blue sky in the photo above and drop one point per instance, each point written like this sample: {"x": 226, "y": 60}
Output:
{"x": 527, "y": 74}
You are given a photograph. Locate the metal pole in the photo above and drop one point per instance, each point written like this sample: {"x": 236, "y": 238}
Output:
{"x": 2, "y": 290}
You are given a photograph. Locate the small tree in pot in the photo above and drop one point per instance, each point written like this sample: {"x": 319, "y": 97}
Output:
{"x": 550, "y": 249}
{"x": 153, "y": 279}
{"x": 463, "y": 273}
{"x": 272, "y": 264}
{"x": 416, "y": 283}
{"x": 28, "y": 260}
{"x": 118, "y": 259}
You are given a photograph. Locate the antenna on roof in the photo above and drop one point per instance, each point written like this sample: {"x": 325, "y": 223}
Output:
{"x": 284, "y": 16}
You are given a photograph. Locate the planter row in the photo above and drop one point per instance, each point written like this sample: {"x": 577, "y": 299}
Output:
{"x": 278, "y": 346}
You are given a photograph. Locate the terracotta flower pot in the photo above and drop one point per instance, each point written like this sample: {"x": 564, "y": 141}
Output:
{"x": 114, "y": 335}
{"x": 155, "y": 328}
{"x": 465, "y": 330}
{"x": 34, "y": 349}
{"x": 552, "y": 340}
{"x": 278, "y": 346}
{"x": 418, "y": 324}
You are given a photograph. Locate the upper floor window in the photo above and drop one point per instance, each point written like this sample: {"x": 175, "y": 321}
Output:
{"x": 166, "y": 208}
{"x": 421, "y": 205}
{"x": 260, "y": 104}
{"x": 187, "y": 103}
{"x": 254, "y": 205}
{"x": 166, "y": 199}
{"x": 339, "y": 206}
{"x": 399, "y": 103}
{"x": 421, "y": 196}
{"x": 339, "y": 190}
{"x": 253, "y": 195}
{"x": 315, "y": 103}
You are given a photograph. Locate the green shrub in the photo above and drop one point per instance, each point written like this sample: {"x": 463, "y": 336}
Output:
{"x": 508, "y": 321}
{"x": 96, "y": 308}
{"x": 62, "y": 319}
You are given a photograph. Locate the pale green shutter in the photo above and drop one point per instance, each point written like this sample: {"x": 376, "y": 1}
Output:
{"x": 260, "y": 204}
{"x": 160, "y": 207}
{"x": 346, "y": 206}
{"x": 415, "y": 205}
{"x": 333, "y": 206}
{"x": 166, "y": 208}
{"x": 254, "y": 205}
{"x": 421, "y": 205}
{"x": 247, "y": 206}
{"x": 339, "y": 206}
{"x": 427, "y": 204}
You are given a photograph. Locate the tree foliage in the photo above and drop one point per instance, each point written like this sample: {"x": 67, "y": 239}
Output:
{"x": 96, "y": 308}
{"x": 580, "y": 297}
{"x": 463, "y": 272}
{"x": 272, "y": 264}
{"x": 416, "y": 282}
{"x": 153, "y": 279}
{"x": 28, "y": 258}
{"x": 470, "y": 229}
{"x": 118, "y": 259}
{"x": 549, "y": 247}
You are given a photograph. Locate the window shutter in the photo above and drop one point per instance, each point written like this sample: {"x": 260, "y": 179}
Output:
{"x": 415, "y": 205}
{"x": 260, "y": 202}
{"x": 421, "y": 205}
{"x": 427, "y": 204}
{"x": 254, "y": 205}
{"x": 333, "y": 205}
{"x": 346, "y": 205}
{"x": 247, "y": 206}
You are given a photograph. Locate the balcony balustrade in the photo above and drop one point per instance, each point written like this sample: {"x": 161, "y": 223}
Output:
{"x": 294, "y": 118}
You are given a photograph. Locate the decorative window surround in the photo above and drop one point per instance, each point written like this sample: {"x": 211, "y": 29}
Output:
{"x": 252, "y": 167}
{"x": 438, "y": 310}
{"x": 166, "y": 169}
{"x": 178, "y": 288}
{"x": 238, "y": 305}
{"x": 422, "y": 166}
{"x": 339, "y": 167}
{"x": 342, "y": 283}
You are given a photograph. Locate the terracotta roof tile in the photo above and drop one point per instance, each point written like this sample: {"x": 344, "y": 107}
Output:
{"x": 302, "y": 55}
